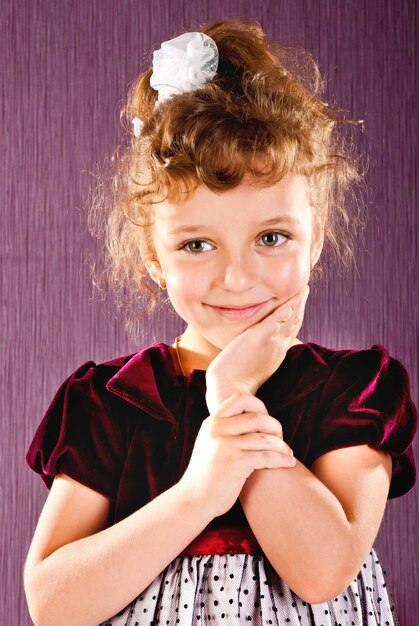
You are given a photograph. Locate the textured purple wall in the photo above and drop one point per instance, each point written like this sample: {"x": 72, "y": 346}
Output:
{"x": 66, "y": 67}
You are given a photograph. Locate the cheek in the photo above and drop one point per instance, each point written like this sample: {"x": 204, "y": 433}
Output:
{"x": 187, "y": 275}
{"x": 176, "y": 288}
{"x": 183, "y": 285}
{"x": 291, "y": 275}
{"x": 184, "y": 277}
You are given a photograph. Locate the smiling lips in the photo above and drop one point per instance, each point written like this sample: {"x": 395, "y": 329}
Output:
{"x": 238, "y": 313}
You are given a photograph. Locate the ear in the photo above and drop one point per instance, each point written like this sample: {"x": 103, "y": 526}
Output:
{"x": 151, "y": 262}
{"x": 154, "y": 270}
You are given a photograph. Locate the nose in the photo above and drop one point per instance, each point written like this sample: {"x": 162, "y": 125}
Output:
{"x": 239, "y": 272}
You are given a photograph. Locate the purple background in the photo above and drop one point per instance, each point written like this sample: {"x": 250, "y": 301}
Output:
{"x": 66, "y": 66}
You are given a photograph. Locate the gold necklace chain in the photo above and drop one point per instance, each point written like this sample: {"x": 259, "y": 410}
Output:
{"x": 178, "y": 355}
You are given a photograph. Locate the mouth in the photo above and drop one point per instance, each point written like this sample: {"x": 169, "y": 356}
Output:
{"x": 238, "y": 312}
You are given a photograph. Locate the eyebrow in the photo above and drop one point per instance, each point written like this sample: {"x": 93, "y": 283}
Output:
{"x": 283, "y": 219}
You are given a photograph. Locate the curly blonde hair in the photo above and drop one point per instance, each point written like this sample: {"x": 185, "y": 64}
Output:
{"x": 263, "y": 105}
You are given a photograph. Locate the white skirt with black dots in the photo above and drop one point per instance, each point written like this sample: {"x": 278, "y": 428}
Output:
{"x": 238, "y": 589}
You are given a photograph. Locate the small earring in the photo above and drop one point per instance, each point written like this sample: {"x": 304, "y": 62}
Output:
{"x": 162, "y": 283}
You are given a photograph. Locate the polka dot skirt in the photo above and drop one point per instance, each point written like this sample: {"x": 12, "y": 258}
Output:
{"x": 239, "y": 589}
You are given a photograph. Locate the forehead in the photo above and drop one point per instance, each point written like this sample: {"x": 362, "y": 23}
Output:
{"x": 246, "y": 202}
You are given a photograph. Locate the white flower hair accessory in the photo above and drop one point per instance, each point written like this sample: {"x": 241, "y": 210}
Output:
{"x": 137, "y": 124}
{"x": 181, "y": 64}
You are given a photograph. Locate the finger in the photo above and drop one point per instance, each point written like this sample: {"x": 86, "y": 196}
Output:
{"x": 268, "y": 460}
{"x": 292, "y": 325}
{"x": 294, "y": 309}
{"x": 286, "y": 312}
{"x": 240, "y": 402}
{"x": 246, "y": 423}
{"x": 299, "y": 312}
{"x": 264, "y": 441}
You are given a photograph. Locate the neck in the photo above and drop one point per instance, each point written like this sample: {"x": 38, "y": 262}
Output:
{"x": 193, "y": 352}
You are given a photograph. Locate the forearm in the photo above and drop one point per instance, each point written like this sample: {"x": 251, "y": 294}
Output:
{"x": 88, "y": 581}
{"x": 303, "y": 531}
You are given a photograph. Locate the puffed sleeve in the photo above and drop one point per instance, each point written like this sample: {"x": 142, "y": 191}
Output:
{"x": 366, "y": 400}
{"x": 79, "y": 434}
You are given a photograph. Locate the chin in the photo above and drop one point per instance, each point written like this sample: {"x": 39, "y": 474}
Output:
{"x": 221, "y": 340}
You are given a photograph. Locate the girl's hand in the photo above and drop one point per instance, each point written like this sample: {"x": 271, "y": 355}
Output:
{"x": 254, "y": 355}
{"x": 238, "y": 438}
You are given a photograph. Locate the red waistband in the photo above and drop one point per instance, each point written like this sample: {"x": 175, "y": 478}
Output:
{"x": 223, "y": 541}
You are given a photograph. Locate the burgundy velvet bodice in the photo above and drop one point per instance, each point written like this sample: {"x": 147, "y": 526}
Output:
{"x": 126, "y": 428}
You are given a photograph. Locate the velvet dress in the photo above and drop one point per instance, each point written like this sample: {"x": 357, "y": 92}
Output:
{"x": 126, "y": 428}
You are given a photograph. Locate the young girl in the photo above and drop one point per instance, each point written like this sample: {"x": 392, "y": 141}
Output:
{"x": 238, "y": 475}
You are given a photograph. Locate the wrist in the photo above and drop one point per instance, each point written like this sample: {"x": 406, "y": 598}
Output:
{"x": 217, "y": 393}
{"x": 198, "y": 507}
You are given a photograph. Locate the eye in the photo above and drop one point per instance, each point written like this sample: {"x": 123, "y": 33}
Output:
{"x": 197, "y": 246}
{"x": 273, "y": 239}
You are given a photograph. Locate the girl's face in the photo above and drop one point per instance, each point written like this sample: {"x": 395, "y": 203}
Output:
{"x": 230, "y": 259}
